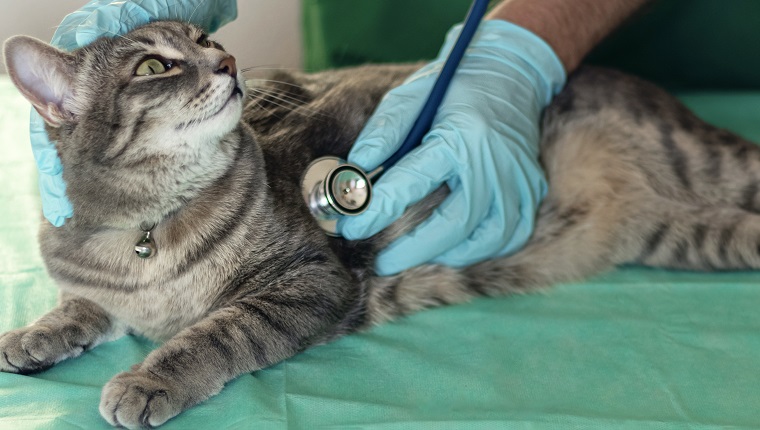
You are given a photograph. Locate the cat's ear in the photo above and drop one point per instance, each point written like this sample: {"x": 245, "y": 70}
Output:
{"x": 43, "y": 74}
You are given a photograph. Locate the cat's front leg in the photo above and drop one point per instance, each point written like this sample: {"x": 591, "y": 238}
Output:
{"x": 250, "y": 334}
{"x": 72, "y": 327}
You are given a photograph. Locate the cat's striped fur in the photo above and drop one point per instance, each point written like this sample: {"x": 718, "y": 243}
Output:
{"x": 243, "y": 280}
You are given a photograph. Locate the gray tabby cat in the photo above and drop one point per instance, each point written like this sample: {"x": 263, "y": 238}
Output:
{"x": 149, "y": 130}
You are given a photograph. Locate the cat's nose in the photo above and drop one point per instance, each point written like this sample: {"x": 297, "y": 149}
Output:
{"x": 227, "y": 66}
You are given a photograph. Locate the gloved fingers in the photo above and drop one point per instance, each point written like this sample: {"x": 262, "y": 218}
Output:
{"x": 496, "y": 235}
{"x": 506, "y": 183}
{"x": 449, "y": 224}
{"x": 44, "y": 151}
{"x": 55, "y": 205}
{"x": 520, "y": 187}
{"x": 388, "y": 126}
{"x": 418, "y": 174}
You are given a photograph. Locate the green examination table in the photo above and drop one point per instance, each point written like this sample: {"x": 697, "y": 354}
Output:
{"x": 636, "y": 348}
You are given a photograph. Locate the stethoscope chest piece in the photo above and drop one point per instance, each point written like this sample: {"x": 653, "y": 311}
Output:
{"x": 332, "y": 187}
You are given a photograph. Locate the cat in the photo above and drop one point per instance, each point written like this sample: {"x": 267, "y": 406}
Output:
{"x": 158, "y": 132}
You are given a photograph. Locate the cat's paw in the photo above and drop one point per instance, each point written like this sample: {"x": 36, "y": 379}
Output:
{"x": 138, "y": 399}
{"x": 32, "y": 349}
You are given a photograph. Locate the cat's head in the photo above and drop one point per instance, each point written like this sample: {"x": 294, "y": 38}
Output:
{"x": 160, "y": 98}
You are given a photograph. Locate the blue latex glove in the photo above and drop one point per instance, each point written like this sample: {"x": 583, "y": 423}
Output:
{"x": 483, "y": 144}
{"x": 101, "y": 18}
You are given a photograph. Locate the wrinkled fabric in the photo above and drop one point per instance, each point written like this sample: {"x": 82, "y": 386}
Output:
{"x": 110, "y": 18}
{"x": 633, "y": 349}
{"x": 483, "y": 144}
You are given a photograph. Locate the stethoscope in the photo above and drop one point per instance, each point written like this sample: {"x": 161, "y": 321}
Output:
{"x": 333, "y": 187}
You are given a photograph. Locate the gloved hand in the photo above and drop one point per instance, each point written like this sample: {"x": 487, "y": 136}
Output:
{"x": 100, "y": 18}
{"x": 483, "y": 144}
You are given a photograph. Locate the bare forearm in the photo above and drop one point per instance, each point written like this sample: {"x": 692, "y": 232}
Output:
{"x": 571, "y": 27}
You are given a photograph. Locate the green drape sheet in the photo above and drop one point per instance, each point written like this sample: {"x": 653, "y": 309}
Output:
{"x": 633, "y": 349}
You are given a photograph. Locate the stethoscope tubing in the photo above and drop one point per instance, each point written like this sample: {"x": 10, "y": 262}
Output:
{"x": 425, "y": 119}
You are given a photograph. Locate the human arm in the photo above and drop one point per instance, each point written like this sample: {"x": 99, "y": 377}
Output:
{"x": 108, "y": 18}
{"x": 484, "y": 141}
{"x": 571, "y": 28}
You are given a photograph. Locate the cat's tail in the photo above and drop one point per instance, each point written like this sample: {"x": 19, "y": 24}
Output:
{"x": 650, "y": 231}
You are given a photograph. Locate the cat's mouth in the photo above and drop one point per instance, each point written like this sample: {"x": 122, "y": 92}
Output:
{"x": 233, "y": 96}
{"x": 236, "y": 94}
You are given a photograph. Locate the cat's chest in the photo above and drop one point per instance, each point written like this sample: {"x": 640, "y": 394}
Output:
{"x": 152, "y": 296}
{"x": 158, "y": 310}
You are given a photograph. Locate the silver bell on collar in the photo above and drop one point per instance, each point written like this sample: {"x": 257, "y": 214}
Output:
{"x": 146, "y": 247}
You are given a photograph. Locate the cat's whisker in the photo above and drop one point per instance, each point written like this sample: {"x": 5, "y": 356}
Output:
{"x": 288, "y": 95}
{"x": 291, "y": 100}
{"x": 271, "y": 91}
{"x": 269, "y": 67}
{"x": 292, "y": 95}
{"x": 289, "y": 108}
{"x": 268, "y": 98}
{"x": 188, "y": 102}
{"x": 298, "y": 106}
{"x": 301, "y": 107}
{"x": 274, "y": 81}
{"x": 269, "y": 111}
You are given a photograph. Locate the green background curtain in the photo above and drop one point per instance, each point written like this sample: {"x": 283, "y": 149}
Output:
{"x": 681, "y": 44}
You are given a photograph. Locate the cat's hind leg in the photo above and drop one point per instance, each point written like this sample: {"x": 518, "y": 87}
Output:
{"x": 571, "y": 242}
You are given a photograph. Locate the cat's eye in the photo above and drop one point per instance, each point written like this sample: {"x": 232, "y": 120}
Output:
{"x": 153, "y": 66}
{"x": 203, "y": 41}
